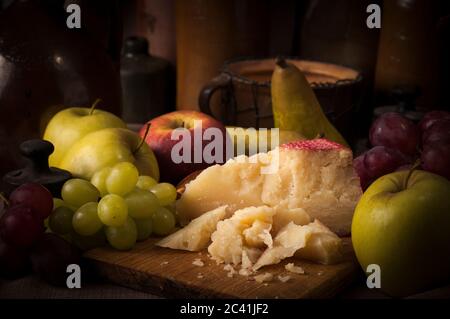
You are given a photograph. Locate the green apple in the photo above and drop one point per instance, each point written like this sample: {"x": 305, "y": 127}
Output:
{"x": 70, "y": 125}
{"x": 402, "y": 224}
{"x": 107, "y": 147}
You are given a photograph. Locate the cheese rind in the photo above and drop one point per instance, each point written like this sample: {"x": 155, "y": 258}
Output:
{"x": 197, "y": 235}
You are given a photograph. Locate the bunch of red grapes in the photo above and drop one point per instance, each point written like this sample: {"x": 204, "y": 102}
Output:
{"x": 398, "y": 143}
{"x": 25, "y": 245}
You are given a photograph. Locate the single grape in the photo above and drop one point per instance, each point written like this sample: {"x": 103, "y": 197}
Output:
{"x": 58, "y": 202}
{"x": 86, "y": 221}
{"x": 20, "y": 227}
{"x": 35, "y": 196}
{"x": 146, "y": 182}
{"x": 122, "y": 179}
{"x": 431, "y": 117}
{"x": 173, "y": 209}
{"x": 76, "y": 192}
{"x": 113, "y": 210}
{"x": 122, "y": 237}
{"x": 89, "y": 242}
{"x": 165, "y": 192}
{"x": 163, "y": 221}
{"x": 436, "y": 159}
{"x": 394, "y": 131}
{"x": 60, "y": 221}
{"x": 14, "y": 262}
{"x": 438, "y": 133}
{"x": 141, "y": 203}
{"x": 99, "y": 180}
{"x": 50, "y": 259}
{"x": 144, "y": 228}
{"x": 382, "y": 160}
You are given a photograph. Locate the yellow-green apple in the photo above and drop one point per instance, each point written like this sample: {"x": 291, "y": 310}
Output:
{"x": 71, "y": 124}
{"x": 180, "y": 142}
{"x": 402, "y": 224}
{"x": 107, "y": 147}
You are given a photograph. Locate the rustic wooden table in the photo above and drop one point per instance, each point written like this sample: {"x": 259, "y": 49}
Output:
{"x": 34, "y": 288}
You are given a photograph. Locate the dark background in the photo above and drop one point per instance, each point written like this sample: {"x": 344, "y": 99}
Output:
{"x": 406, "y": 62}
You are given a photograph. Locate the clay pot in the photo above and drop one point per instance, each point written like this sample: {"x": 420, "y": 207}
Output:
{"x": 246, "y": 100}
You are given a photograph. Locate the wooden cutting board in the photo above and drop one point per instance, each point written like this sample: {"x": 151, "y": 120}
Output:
{"x": 171, "y": 273}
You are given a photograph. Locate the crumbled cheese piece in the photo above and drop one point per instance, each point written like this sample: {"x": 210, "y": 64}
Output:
{"x": 228, "y": 267}
{"x": 283, "y": 278}
{"x": 164, "y": 263}
{"x": 263, "y": 277}
{"x": 199, "y": 276}
{"x": 241, "y": 232}
{"x": 313, "y": 242}
{"x": 258, "y": 235}
{"x": 245, "y": 272}
{"x": 198, "y": 262}
{"x": 246, "y": 262}
{"x": 320, "y": 273}
{"x": 230, "y": 270}
{"x": 294, "y": 269}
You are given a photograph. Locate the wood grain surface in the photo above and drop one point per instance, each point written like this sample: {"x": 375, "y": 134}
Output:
{"x": 171, "y": 273}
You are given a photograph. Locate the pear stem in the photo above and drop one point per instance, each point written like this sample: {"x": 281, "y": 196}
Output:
{"x": 143, "y": 138}
{"x": 281, "y": 62}
{"x": 94, "y": 105}
{"x": 3, "y": 199}
{"x": 413, "y": 168}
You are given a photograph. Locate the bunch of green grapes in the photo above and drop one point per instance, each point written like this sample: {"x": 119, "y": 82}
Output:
{"x": 117, "y": 206}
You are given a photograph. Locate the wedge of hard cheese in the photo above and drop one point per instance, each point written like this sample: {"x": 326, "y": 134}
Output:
{"x": 316, "y": 176}
{"x": 197, "y": 235}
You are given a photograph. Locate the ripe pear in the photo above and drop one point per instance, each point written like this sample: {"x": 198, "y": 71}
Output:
{"x": 295, "y": 106}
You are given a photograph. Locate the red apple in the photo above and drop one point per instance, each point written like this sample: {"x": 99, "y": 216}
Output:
{"x": 178, "y": 140}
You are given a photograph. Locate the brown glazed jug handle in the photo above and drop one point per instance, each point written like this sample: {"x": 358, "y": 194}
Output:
{"x": 222, "y": 81}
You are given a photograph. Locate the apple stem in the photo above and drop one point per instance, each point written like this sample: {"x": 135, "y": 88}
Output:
{"x": 143, "y": 138}
{"x": 413, "y": 168}
{"x": 3, "y": 199}
{"x": 94, "y": 105}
